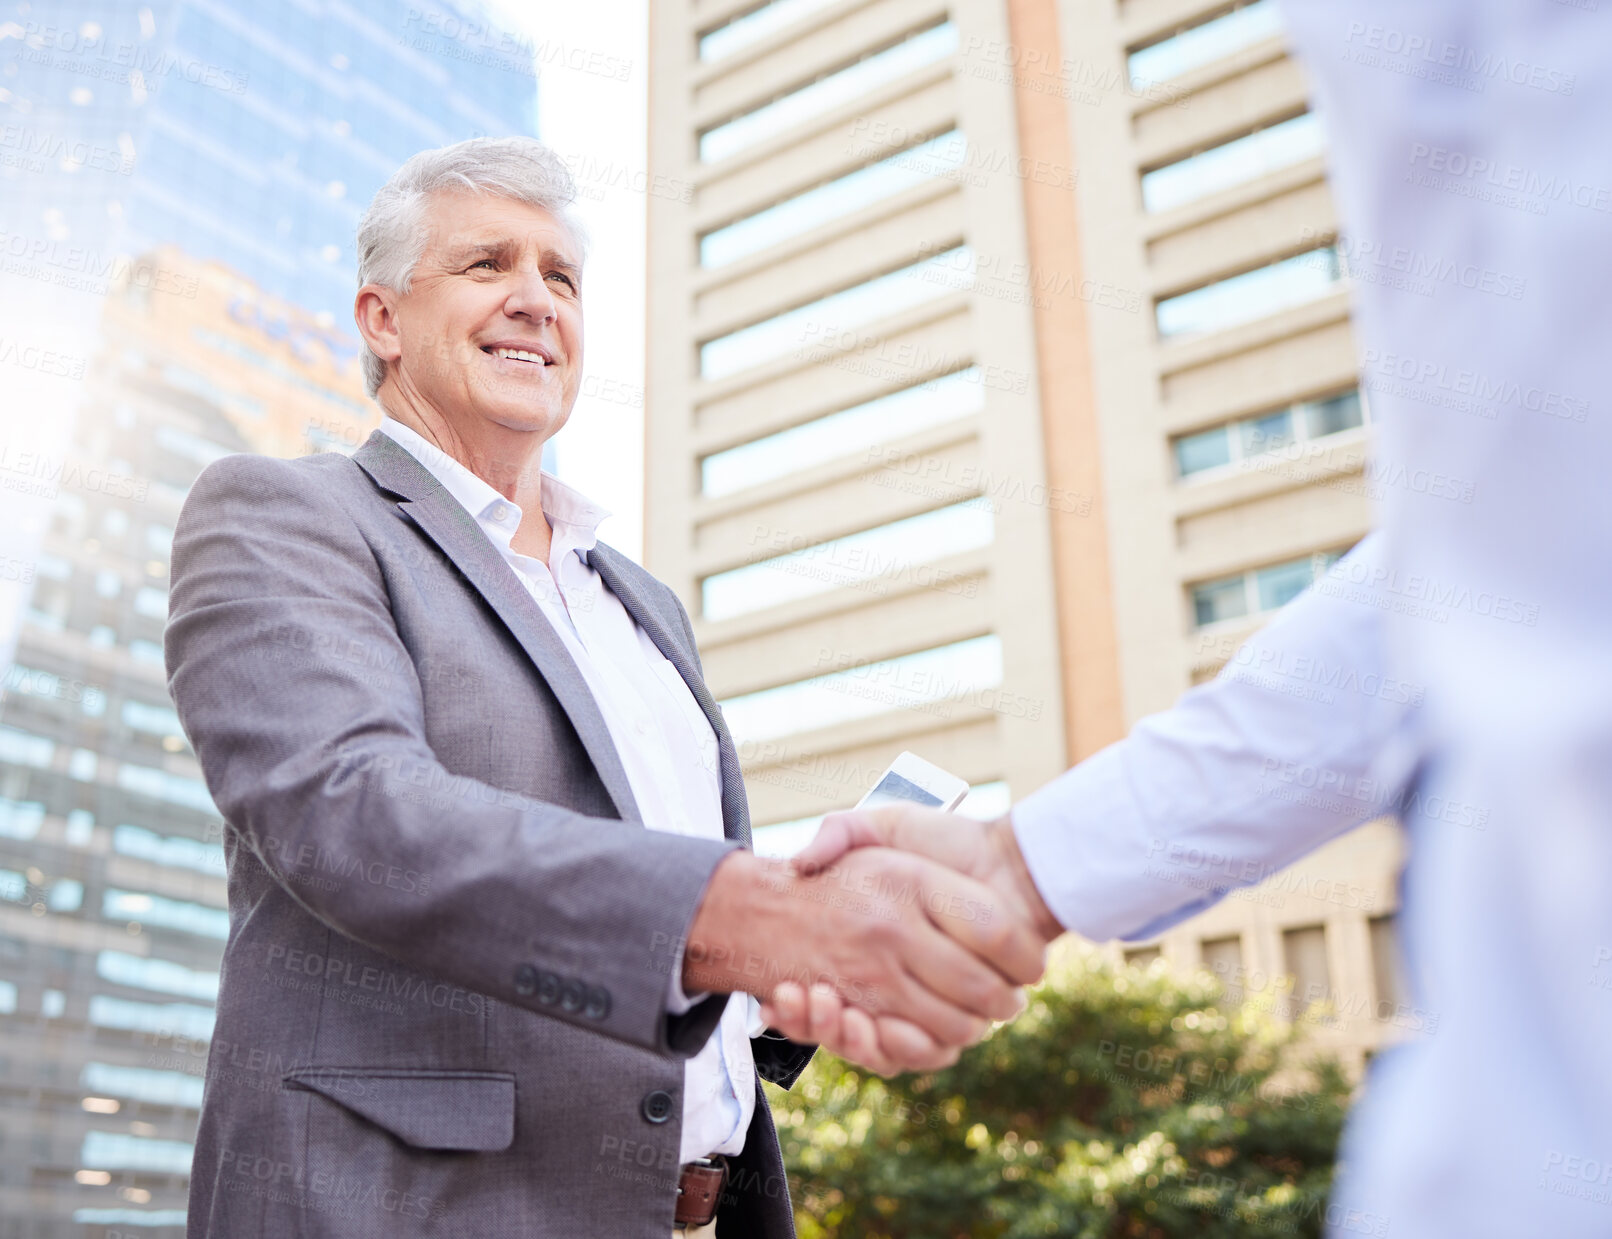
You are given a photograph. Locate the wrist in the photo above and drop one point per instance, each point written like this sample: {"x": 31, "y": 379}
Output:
{"x": 1010, "y": 861}
{"x": 732, "y": 920}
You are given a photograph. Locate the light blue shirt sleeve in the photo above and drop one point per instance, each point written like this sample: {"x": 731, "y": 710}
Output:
{"x": 1298, "y": 739}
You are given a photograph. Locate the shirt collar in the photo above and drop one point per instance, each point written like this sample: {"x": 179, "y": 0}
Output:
{"x": 572, "y": 516}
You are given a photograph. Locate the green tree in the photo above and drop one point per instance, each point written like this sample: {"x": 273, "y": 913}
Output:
{"x": 1121, "y": 1105}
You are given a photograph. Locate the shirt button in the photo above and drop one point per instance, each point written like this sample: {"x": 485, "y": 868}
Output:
{"x": 500, "y": 512}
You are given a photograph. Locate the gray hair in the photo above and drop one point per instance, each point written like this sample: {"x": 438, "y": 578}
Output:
{"x": 391, "y": 239}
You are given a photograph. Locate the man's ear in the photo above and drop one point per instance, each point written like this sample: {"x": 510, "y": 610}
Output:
{"x": 375, "y": 312}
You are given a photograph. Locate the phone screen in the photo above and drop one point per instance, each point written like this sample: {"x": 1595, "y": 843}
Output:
{"x": 893, "y": 788}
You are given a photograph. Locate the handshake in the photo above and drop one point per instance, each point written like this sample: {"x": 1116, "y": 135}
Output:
{"x": 894, "y": 939}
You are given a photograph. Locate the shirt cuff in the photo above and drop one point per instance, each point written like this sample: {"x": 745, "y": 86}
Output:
{"x": 1082, "y": 842}
{"x": 677, "y": 1002}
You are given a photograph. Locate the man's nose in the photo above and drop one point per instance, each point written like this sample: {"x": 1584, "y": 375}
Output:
{"x": 533, "y": 297}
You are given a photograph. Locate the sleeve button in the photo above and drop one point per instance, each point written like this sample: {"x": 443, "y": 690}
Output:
{"x": 658, "y": 1106}
{"x": 525, "y": 980}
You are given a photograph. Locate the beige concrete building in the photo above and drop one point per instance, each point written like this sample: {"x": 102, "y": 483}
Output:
{"x": 1000, "y": 383}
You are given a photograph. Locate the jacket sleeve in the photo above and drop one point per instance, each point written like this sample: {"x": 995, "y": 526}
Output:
{"x": 535, "y": 905}
{"x": 1298, "y": 739}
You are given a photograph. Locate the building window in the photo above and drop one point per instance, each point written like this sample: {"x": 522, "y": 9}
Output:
{"x": 1259, "y": 591}
{"x": 166, "y": 1019}
{"x": 163, "y": 913}
{"x": 915, "y": 52}
{"x": 164, "y": 976}
{"x": 1387, "y": 968}
{"x": 1232, "y": 163}
{"x": 1223, "y": 957}
{"x": 1141, "y": 956}
{"x": 938, "y": 157}
{"x": 1204, "y": 43}
{"x": 21, "y": 819}
{"x": 1252, "y": 295}
{"x": 152, "y": 603}
{"x": 872, "y": 560}
{"x": 844, "y": 433}
{"x": 922, "y": 681}
{"x": 756, "y": 25}
{"x": 1252, "y": 437}
{"x": 108, "y": 1150}
{"x": 160, "y": 785}
{"x": 174, "y": 850}
{"x": 162, "y": 1088}
{"x": 1304, "y": 953}
{"x": 803, "y": 330}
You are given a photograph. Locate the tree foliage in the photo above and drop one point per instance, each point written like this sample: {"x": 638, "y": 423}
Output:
{"x": 1121, "y": 1105}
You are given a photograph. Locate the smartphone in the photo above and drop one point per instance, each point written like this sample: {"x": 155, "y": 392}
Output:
{"x": 912, "y": 779}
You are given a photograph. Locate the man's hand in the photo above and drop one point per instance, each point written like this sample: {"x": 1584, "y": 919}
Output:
{"x": 895, "y": 934}
{"x": 989, "y": 854}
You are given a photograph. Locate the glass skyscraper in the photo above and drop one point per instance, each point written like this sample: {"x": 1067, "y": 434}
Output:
{"x": 179, "y": 186}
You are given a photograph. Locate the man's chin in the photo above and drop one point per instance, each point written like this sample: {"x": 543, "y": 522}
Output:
{"x": 525, "y": 417}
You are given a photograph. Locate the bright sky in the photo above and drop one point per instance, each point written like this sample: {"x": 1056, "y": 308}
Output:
{"x": 597, "y": 121}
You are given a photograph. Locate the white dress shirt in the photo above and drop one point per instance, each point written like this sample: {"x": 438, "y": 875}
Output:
{"x": 1465, "y": 652}
{"x": 663, "y": 738}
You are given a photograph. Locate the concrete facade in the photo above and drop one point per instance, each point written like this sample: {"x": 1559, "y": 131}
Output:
{"x": 1163, "y": 446}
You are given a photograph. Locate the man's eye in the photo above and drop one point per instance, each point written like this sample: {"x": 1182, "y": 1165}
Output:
{"x": 485, "y": 262}
{"x": 560, "y": 275}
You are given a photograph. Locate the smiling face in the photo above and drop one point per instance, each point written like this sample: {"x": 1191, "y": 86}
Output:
{"x": 490, "y": 330}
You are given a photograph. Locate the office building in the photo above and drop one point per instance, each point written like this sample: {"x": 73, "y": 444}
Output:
{"x": 179, "y": 185}
{"x": 1000, "y": 382}
{"x": 112, "y": 902}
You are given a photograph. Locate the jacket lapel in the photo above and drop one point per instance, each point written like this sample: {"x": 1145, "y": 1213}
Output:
{"x": 617, "y": 574}
{"x": 425, "y": 502}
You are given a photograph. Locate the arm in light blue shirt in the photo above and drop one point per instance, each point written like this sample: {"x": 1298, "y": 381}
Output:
{"x": 1292, "y": 744}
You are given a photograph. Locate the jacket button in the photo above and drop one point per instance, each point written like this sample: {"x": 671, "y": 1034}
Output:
{"x": 598, "y": 1003}
{"x": 525, "y": 980}
{"x": 658, "y": 1106}
{"x": 573, "y": 996}
{"x": 548, "y": 988}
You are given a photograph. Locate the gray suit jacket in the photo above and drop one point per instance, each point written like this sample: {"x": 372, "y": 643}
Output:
{"x": 442, "y": 1008}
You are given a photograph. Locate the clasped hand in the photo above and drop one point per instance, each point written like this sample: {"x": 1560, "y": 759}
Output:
{"x": 984, "y": 933}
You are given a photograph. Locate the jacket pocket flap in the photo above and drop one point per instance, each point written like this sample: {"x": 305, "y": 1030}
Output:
{"x": 425, "y": 1108}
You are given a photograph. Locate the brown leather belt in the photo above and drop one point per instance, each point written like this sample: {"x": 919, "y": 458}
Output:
{"x": 699, "y": 1190}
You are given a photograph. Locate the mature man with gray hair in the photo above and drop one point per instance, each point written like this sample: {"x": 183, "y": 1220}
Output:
{"x": 489, "y": 880}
